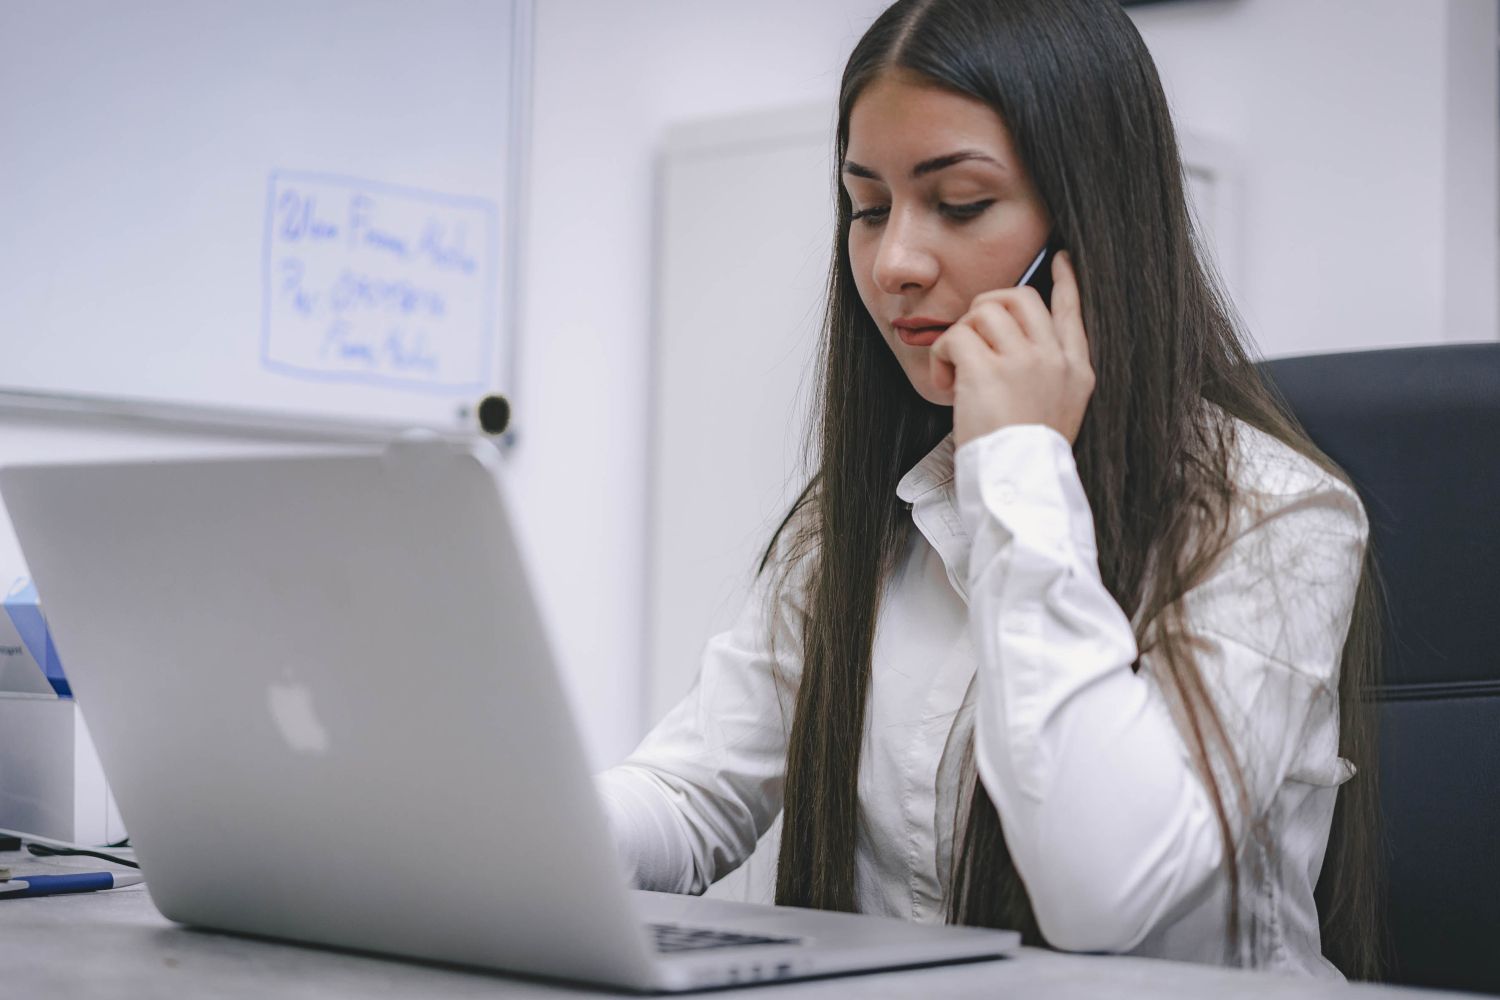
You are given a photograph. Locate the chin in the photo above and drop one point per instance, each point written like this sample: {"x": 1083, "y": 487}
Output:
{"x": 920, "y": 377}
{"x": 932, "y": 393}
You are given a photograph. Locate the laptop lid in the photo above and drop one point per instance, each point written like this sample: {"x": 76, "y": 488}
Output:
{"x": 303, "y": 671}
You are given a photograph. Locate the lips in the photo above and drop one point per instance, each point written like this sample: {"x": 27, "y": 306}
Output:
{"x": 919, "y": 331}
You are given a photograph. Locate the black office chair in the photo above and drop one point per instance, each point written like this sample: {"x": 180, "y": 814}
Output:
{"x": 1418, "y": 430}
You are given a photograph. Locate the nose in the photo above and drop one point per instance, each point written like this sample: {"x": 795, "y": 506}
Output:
{"x": 904, "y": 261}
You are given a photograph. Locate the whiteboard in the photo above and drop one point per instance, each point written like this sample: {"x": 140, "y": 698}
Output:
{"x": 303, "y": 212}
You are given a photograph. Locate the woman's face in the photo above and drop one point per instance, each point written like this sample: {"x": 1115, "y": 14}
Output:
{"x": 943, "y": 210}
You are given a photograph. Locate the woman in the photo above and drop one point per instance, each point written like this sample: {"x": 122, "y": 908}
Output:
{"x": 1066, "y": 632}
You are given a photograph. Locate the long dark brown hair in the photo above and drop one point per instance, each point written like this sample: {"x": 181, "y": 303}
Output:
{"x": 1078, "y": 91}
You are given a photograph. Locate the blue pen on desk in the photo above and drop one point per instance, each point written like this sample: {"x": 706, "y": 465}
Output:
{"x": 55, "y": 885}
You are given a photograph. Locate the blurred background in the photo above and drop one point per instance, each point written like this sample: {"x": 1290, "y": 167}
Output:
{"x": 674, "y": 199}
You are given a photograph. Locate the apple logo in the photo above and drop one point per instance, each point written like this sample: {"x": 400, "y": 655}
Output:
{"x": 292, "y": 710}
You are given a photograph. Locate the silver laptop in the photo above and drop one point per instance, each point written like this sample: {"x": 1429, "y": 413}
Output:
{"x": 329, "y": 711}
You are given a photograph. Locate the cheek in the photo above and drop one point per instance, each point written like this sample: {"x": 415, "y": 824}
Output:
{"x": 986, "y": 261}
{"x": 988, "y": 264}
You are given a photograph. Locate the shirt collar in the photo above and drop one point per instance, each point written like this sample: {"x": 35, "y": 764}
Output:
{"x": 933, "y": 472}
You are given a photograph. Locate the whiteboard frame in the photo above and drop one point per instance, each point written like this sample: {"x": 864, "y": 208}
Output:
{"x": 189, "y": 417}
{"x": 228, "y": 421}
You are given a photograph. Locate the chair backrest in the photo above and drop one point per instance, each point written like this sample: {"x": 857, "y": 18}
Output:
{"x": 1418, "y": 430}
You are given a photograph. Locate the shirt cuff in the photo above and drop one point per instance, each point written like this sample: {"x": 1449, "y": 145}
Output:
{"x": 1023, "y": 478}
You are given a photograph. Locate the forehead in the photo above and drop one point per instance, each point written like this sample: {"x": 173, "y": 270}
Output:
{"x": 901, "y": 118}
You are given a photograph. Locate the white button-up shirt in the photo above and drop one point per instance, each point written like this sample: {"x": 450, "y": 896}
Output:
{"x": 995, "y": 626}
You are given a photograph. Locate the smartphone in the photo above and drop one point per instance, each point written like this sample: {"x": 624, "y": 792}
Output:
{"x": 1039, "y": 274}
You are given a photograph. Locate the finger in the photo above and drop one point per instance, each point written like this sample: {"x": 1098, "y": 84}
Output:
{"x": 1067, "y": 310}
{"x": 958, "y": 348}
{"x": 1030, "y": 312}
{"x": 996, "y": 326}
{"x": 941, "y": 366}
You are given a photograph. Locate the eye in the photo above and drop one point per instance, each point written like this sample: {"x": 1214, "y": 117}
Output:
{"x": 872, "y": 216}
{"x": 963, "y": 213}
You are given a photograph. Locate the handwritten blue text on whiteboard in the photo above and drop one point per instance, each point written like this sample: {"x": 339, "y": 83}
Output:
{"x": 369, "y": 282}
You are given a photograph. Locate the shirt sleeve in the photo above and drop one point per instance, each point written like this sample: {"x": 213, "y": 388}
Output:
{"x": 687, "y": 807}
{"x": 1105, "y": 813}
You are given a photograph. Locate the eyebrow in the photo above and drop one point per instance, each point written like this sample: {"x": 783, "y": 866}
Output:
{"x": 926, "y": 166}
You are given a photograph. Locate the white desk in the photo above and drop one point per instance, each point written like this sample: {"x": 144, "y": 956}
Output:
{"x": 115, "y": 944}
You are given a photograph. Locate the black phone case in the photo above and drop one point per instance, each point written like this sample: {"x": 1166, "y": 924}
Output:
{"x": 1041, "y": 278}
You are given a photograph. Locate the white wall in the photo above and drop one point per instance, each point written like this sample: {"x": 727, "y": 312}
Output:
{"x": 1366, "y": 137}
{"x": 610, "y": 78}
